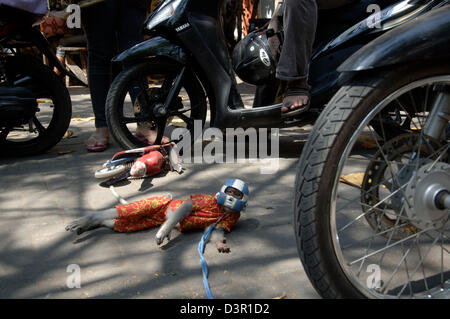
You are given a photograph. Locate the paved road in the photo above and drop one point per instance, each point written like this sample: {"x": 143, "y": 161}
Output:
{"x": 39, "y": 195}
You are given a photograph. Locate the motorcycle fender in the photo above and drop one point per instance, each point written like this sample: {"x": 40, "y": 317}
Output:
{"x": 426, "y": 37}
{"x": 157, "y": 46}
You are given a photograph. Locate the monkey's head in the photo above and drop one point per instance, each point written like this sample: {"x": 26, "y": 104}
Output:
{"x": 233, "y": 196}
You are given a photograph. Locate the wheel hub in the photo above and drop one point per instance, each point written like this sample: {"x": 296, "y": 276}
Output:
{"x": 423, "y": 192}
{"x": 378, "y": 176}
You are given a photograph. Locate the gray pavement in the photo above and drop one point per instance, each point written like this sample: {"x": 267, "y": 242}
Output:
{"x": 40, "y": 195}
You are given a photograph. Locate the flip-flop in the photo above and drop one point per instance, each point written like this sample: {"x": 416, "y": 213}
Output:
{"x": 99, "y": 145}
{"x": 296, "y": 90}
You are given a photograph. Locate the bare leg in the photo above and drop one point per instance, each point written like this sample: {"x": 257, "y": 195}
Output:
{"x": 144, "y": 130}
{"x": 104, "y": 218}
{"x": 173, "y": 218}
{"x": 300, "y": 21}
{"x": 149, "y": 135}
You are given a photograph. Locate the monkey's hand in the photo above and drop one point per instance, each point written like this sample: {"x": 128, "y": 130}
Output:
{"x": 172, "y": 218}
{"x": 162, "y": 233}
{"x": 222, "y": 246}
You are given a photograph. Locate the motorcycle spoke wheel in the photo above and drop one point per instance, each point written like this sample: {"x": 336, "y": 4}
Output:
{"x": 408, "y": 250}
{"x": 138, "y": 94}
{"x": 364, "y": 215}
{"x": 35, "y": 128}
{"x": 52, "y": 118}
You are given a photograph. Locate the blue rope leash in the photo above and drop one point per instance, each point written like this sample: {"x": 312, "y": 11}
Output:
{"x": 201, "y": 249}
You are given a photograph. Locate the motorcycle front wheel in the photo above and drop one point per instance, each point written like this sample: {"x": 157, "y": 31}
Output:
{"x": 137, "y": 92}
{"x": 52, "y": 119}
{"x": 365, "y": 220}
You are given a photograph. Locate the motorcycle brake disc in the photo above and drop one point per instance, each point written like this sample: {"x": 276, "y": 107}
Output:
{"x": 387, "y": 216}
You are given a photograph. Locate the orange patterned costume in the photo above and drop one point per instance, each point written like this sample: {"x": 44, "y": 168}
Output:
{"x": 152, "y": 211}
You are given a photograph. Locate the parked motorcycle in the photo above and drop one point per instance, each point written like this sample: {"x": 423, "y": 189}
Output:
{"x": 372, "y": 200}
{"x": 35, "y": 105}
{"x": 186, "y": 62}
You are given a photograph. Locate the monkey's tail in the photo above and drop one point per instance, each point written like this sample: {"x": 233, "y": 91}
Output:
{"x": 123, "y": 201}
{"x": 117, "y": 196}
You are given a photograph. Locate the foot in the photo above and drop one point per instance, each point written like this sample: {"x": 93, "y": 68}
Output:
{"x": 83, "y": 224}
{"x": 99, "y": 141}
{"x": 291, "y": 103}
{"x": 296, "y": 97}
{"x": 149, "y": 136}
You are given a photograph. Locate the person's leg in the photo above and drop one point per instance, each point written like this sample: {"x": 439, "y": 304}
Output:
{"x": 129, "y": 33}
{"x": 300, "y": 22}
{"x": 98, "y": 23}
{"x": 60, "y": 54}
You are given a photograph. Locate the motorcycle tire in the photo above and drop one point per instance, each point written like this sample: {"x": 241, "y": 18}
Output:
{"x": 45, "y": 85}
{"x": 319, "y": 172}
{"x": 155, "y": 70}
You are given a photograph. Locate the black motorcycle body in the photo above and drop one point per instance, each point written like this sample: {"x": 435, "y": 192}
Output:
{"x": 27, "y": 87}
{"x": 193, "y": 40}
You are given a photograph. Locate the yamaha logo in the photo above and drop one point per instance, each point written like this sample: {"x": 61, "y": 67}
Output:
{"x": 264, "y": 57}
{"x": 182, "y": 27}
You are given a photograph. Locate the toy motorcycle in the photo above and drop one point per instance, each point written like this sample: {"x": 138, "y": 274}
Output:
{"x": 140, "y": 162}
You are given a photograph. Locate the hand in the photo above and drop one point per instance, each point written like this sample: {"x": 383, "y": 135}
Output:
{"x": 222, "y": 246}
{"x": 161, "y": 234}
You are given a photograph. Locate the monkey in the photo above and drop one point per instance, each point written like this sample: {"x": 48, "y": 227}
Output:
{"x": 196, "y": 212}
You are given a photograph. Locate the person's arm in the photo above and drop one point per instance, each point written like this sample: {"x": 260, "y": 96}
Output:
{"x": 172, "y": 218}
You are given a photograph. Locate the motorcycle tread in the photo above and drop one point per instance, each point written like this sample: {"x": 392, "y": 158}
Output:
{"x": 312, "y": 160}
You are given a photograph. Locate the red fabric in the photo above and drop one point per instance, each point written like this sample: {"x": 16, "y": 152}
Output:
{"x": 141, "y": 214}
{"x": 51, "y": 25}
{"x": 152, "y": 211}
{"x": 206, "y": 211}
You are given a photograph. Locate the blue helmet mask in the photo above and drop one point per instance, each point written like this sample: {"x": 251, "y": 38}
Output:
{"x": 230, "y": 201}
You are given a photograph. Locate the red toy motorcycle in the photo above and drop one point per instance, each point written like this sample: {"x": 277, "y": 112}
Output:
{"x": 141, "y": 162}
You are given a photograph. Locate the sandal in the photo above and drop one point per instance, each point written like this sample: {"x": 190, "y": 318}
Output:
{"x": 100, "y": 145}
{"x": 296, "y": 88}
{"x": 145, "y": 140}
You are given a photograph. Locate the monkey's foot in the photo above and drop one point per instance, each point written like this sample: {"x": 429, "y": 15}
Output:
{"x": 83, "y": 224}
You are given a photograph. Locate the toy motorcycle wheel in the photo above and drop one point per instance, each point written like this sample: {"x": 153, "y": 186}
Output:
{"x": 372, "y": 194}
{"x": 109, "y": 172}
{"x": 137, "y": 94}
